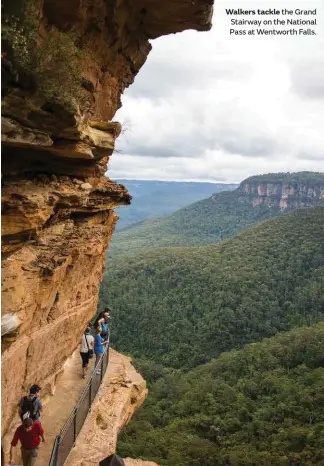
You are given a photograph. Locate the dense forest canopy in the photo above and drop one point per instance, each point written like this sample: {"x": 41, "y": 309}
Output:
{"x": 183, "y": 306}
{"x": 259, "y": 406}
{"x": 207, "y": 221}
{"x": 227, "y": 335}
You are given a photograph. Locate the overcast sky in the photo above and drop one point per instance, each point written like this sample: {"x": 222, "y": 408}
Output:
{"x": 214, "y": 107}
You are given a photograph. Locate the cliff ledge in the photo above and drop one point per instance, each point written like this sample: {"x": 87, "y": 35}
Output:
{"x": 65, "y": 66}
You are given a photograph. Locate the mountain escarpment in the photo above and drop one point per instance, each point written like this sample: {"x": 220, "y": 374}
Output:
{"x": 225, "y": 214}
{"x": 65, "y": 66}
{"x": 285, "y": 191}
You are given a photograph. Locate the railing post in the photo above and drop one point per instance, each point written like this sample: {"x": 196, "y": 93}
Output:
{"x": 101, "y": 367}
{"x": 57, "y": 449}
{"x": 90, "y": 390}
{"x": 74, "y": 425}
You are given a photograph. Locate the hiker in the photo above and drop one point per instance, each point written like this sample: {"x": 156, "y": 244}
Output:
{"x": 86, "y": 350}
{"x": 29, "y": 433}
{"x": 31, "y": 405}
{"x": 99, "y": 345}
{"x": 103, "y": 322}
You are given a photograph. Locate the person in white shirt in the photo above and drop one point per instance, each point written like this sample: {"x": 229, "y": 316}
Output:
{"x": 86, "y": 350}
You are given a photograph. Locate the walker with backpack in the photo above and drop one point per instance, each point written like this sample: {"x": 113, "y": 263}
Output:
{"x": 28, "y": 408}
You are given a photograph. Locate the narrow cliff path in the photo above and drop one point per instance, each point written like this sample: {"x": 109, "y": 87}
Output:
{"x": 122, "y": 391}
{"x": 67, "y": 391}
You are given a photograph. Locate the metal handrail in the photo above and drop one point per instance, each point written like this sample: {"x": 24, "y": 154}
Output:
{"x": 72, "y": 419}
{"x": 68, "y": 421}
{"x": 53, "y": 458}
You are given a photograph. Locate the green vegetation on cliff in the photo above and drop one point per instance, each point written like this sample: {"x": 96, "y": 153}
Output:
{"x": 183, "y": 306}
{"x": 48, "y": 63}
{"x": 259, "y": 406}
{"x": 311, "y": 179}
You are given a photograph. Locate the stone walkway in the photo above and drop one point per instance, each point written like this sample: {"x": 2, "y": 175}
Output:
{"x": 57, "y": 408}
{"x": 67, "y": 391}
{"x": 122, "y": 391}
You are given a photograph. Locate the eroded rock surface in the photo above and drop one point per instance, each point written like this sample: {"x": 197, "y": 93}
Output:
{"x": 123, "y": 391}
{"x": 284, "y": 195}
{"x": 57, "y": 203}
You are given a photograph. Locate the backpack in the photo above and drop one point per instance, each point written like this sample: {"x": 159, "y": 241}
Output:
{"x": 28, "y": 408}
{"x": 90, "y": 351}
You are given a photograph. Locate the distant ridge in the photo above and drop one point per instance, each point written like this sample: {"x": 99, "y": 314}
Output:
{"x": 225, "y": 214}
{"x": 160, "y": 198}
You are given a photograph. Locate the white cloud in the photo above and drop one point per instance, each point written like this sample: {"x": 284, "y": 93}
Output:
{"x": 212, "y": 166}
{"x": 209, "y": 106}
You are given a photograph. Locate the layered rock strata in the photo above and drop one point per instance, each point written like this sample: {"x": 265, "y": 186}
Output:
{"x": 54, "y": 258}
{"x": 283, "y": 194}
{"x": 57, "y": 203}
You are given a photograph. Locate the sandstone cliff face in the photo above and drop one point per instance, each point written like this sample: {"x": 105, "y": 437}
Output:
{"x": 122, "y": 392}
{"x": 283, "y": 195}
{"x": 57, "y": 204}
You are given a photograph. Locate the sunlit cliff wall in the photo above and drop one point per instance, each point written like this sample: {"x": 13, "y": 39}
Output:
{"x": 57, "y": 204}
{"x": 284, "y": 194}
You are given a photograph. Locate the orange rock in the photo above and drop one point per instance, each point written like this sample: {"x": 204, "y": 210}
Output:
{"x": 55, "y": 234}
{"x": 123, "y": 391}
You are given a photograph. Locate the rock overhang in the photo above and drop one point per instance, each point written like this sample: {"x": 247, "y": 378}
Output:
{"x": 58, "y": 203}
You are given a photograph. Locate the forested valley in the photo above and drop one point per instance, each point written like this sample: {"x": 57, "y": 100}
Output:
{"x": 183, "y": 306}
{"x": 186, "y": 315}
{"x": 259, "y": 406}
{"x": 207, "y": 221}
{"x": 220, "y": 216}
{"x": 160, "y": 198}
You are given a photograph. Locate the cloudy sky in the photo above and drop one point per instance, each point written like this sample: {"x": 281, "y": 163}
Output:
{"x": 214, "y": 107}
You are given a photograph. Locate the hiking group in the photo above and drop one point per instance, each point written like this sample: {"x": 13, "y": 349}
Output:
{"x": 95, "y": 345}
{"x": 30, "y": 433}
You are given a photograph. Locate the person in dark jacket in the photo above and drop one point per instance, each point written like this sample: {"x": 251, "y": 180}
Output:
{"x": 31, "y": 405}
{"x": 30, "y": 434}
